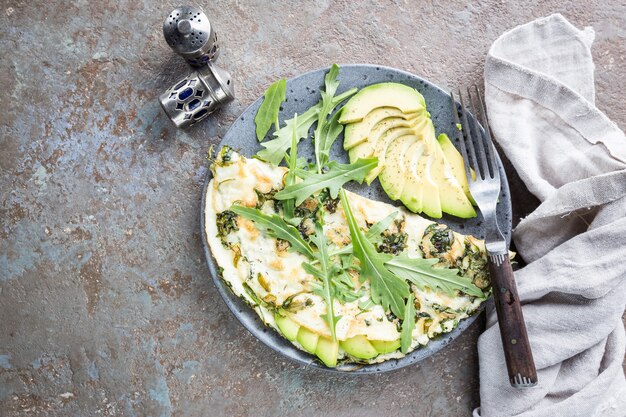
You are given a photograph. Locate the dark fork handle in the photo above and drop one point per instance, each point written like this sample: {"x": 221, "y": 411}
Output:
{"x": 519, "y": 357}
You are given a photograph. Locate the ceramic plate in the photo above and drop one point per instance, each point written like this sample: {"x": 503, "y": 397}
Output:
{"x": 303, "y": 91}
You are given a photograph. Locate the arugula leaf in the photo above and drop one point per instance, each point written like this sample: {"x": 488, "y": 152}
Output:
{"x": 275, "y": 149}
{"x": 337, "y": 175}
{"x": 277, "y": 226}
{"x": 366, "y": 304}
{"x": 330, "y": 87}
{"x": 331, "y": 131}
{"x": 379, "y": 227}
{"x": 324, "y": 274}
{"x": 289, "y": 205}
{"x": 408, "y": 325}
{"x": 421, "y": 272}
{"x": 344, "y": 287}
{"x": 387, "y": 289}
{"x": 268, "y": 111}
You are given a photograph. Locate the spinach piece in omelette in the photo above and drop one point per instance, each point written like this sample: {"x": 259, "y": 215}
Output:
{"x": 473, "y": 265}
{"x": 437, "y": 240}
{"x": 226, "y": 223}
{"x": 394, "y": 241}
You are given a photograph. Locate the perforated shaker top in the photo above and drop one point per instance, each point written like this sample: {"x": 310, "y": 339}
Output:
{"x": 186, "y": 29}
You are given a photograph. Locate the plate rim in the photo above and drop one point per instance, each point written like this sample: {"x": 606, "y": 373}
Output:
{"x": 234, "y": 303}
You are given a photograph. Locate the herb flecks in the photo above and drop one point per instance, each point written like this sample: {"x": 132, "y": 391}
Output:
{"x": 330, "y": 203}
{"x": 473, "y": 265}
{"x": 262, "y": 198}
{"x": 224, "y": 156}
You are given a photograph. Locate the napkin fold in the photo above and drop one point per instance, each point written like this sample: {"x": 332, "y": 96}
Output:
{"x": 539, "y": 92}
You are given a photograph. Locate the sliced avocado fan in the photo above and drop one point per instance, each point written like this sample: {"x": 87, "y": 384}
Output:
{"x": 389, "y": 121}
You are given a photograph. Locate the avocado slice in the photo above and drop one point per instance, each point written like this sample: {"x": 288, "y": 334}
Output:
{"x": 327, "y": 351}
{"x": 400, "y": 96}
{"x": 382, "y": 145}
{"x": 431, "y": 203}
{"x": 380, "y": 148}
{"x": 384, "y": 347}
{"x": 356, "y": 133}
{"x": 307, "y": 339}
{"x": 359, "y": 347}
{"x": 394, "y": 176}
{"x": 365, "y": 149}
{"x": 413, "y": 188}
{"x": 287, "y": 327}
{"x": 455, "y": 159}
{"x": 421, "y": 192}
{"x": 451, "y": 195}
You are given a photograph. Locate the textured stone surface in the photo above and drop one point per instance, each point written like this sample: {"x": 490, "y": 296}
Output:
{"x": 105, "y": 303}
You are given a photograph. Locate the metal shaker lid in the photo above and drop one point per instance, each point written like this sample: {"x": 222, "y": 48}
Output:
{"x": 186, "y": 29}
{"x": 219, "y": 81}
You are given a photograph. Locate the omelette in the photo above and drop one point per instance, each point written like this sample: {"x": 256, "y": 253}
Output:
{"x": 263, "y": 271}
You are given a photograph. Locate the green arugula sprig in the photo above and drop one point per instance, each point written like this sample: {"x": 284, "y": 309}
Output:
{"x": 338, "y": 174}
{"x": 275, "y": 149}
{"x": 421, "y": 272}
{"x": 372, "y": 234}
{"x": 321, "y": 131}
{"x": 387, "y": 289}
{"x": 324, "y": 273}
{"x": 385, "y": 272}
{"x": 277, "y": 226}
{"x": 289, "y": 205}
{"x": 331, "y": 132}
{"x": 268, "y": 111}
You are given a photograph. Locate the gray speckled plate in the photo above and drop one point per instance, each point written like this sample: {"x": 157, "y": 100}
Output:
{"x": 302, "y": 93}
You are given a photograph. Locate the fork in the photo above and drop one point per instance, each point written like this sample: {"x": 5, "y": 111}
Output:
{"x": 479, "y": 154}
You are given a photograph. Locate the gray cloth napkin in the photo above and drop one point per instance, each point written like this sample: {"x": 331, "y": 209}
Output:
{"x": 540, "y": 98}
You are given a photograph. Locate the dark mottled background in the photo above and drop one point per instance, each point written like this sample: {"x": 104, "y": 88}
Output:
{"x": 105, "y": 303}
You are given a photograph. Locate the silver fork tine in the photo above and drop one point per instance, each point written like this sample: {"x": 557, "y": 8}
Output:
{"x": 490, "y": 147}
{"x": 459, "y": 135}
{"x": 467, "y": 141}
{"x": 484, "y": 166}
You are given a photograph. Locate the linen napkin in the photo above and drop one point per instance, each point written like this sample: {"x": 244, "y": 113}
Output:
{"x": 539, "y": 91}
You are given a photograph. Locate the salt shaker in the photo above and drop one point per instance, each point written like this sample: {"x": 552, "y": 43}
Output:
{"x": 197, "y": 95}
{"x": 190, "y": 34}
